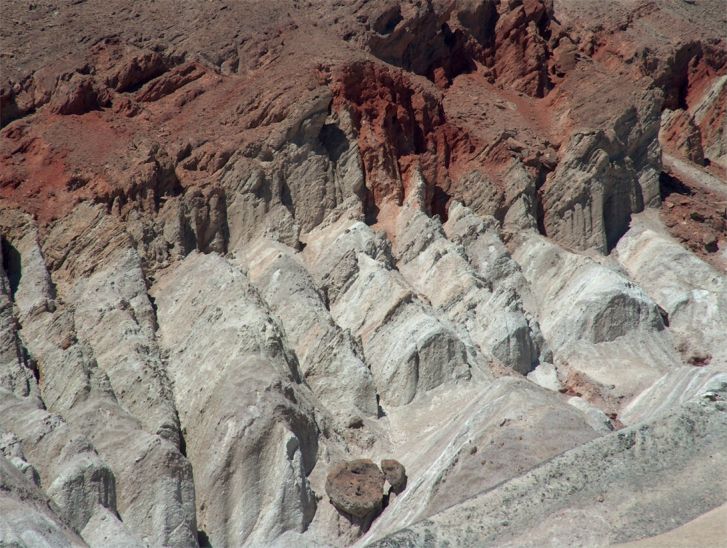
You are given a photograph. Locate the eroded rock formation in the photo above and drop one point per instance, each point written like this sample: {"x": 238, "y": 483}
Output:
{"x": 251, "y": 249}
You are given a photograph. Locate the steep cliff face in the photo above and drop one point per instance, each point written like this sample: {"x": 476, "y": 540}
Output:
{"x": 244, "y": 243}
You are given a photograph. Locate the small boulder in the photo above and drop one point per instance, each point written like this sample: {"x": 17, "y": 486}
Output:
{"x": 710, "y": 242}
{"x": 395, "y": 474}
{"x": 356, "y": 488}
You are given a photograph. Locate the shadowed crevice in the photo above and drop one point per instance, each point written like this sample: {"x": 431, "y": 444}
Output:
{"x": 12, "y": 266}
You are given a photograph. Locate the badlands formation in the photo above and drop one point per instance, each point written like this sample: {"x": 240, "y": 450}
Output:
{"x": 372, "y": 273}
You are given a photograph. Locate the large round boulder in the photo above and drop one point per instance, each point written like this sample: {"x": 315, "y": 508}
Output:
{"x": 356, "y": 488}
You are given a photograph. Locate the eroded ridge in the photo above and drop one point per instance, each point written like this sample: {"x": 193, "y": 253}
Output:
{"x": 362, "y": 273}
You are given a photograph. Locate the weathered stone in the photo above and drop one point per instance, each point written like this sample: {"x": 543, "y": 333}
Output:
{"x": 245, "y": 400}
{"x": 356, "y": 488}
{"x": 395, "y": 474}
{"x": 236, "y": 254}
{"x": 27, "y": 517}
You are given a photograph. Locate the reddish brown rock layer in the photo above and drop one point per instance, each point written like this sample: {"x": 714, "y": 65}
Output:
{"x": 401, "y": 129}
{"x": 356, "y": 488}
{"x": 482, "y": 101}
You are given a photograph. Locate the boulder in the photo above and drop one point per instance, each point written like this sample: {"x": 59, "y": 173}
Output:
{"x": 395, "y": 474}
{"x": 356, "y": 488}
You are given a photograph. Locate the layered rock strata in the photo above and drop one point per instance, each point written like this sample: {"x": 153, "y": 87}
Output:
{"x": 244, "y": 243}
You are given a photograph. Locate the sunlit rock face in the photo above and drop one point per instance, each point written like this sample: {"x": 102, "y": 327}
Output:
{"x": 376, "y": 274}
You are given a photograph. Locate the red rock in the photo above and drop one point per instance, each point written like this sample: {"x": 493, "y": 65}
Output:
{"x": 356, "y": 488}
{"x": 78, "y": 96}
{"x": 471, "y": 78}
{"x": 680, "y": 134}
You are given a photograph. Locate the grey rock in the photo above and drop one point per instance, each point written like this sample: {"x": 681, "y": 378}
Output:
{"x": 155, "y": 493}
{"x": 408, "y": 347}
{"x": 596, "y": 418}
{"x": 441, "y": 271}
{"x": 611, "y": 335}
{"x": 651, "y": 455}
{"x": 692, "y": 292}
{"x": 603, "y": 177}
{"x": 474, "y": 446}
{"x": 328, "y": 356}
{"x": 27, "y": 517}
{"x": 546, "y": 375}
{"x": 70, "y": 470}
{"x": 104, "y": 530}
{"x": 243, "y": 400}
{"x": 675, "y": 388}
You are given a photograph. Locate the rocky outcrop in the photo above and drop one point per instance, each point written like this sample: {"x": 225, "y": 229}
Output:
{"x": 356, "y": 488}
{"x": 27, "y": 516}
{"x": 681, "y": 135}
{"x": 401, "y": 130}
{"x": 475, "y": 447}
{"x": 493, "y": 318}
{"x": 589, "y": 198}
{"x": 249, "y": 250}
{"x": 73, "y": 475}
{"x": 17, "y": 372}
{"x": 589, "y": 337}
{"x": 78, "y": 96}
{"x": 690, "y": 291}
{"x": 409, "y": 348}
{"x": 330, "y": 359}
{"x": 395, "y": 474}
{"x": 709, "y": 114}
{"x": 73, "y": 384}
{"x": 244, "y": 400}
{"x": 595, "y": 497}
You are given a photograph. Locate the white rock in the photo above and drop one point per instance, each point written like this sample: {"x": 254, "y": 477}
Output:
{"x": 596, "y": 418}
{"x": 409, "y": 348}
{"x": 251, "y": 435}
{"x": 104, "y": 530}
{"x": 674, "y": 389}
{"x": 546, "y": 375}
{"x": 693, "y": 293}
{"x": 475, "y": 439}
{"x": 328, "y": 356}
{"x": 671, "y": 458}
{"x": 604, "y": 330}
{"x": 440, "y": 271}
{"x": 26, "y": 515}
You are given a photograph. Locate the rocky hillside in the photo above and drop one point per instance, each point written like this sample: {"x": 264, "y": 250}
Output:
{"x": 372, "y": 273}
